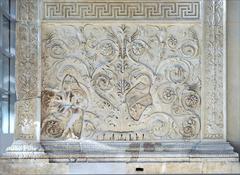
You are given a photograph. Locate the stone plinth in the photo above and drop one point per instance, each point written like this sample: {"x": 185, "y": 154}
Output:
{"x": 86, "y": 156}
{"x": 42, "y": 166}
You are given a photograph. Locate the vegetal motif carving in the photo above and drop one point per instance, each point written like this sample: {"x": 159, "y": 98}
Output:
{"x": 26, "y": 77}
{"x": 167, "y": 95}
{"x": 25, "y": 125}
{"x": 190, "y": 127}
{"x": 191, "y": 99}
{"x": 214, "y": 68}
{"x": 67, "y": 107}
{"x": 120, "y": 82}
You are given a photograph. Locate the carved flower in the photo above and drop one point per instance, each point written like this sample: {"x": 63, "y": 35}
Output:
{"x": 189, "y": 48}
{"x": 107, "y": 49}
{"x": 160, "y": 128}
{"x": 103, "y": 82}
{"x": 138, "y": 48}
{"x": 191, "y": 100}
{"x": 89, "y": 129}
{"x": 188, "y": 131}
{"x": 177, "y": 73}
{"x": 91, "y": 42}
{"x": 172, "y": 42}
{"x": 176, "y": 108}
{"x": 168, "y": 95}
{"x": 189, "y": 128}
{"x": 160, "y": 124}
{"x": 57, "y": 48}
{"x": 54, "y": 129}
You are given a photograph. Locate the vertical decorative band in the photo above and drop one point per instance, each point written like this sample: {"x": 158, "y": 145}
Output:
{"x": 27, "y": 49}
{"x": 213, "y": 70}
{"x": 27, "y": 58}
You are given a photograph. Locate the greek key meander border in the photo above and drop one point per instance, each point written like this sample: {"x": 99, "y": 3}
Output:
{"x": 29, "y": 18}
{"x": 152, "y": 10}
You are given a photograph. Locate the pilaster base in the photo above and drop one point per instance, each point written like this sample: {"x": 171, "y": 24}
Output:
{"x": 91, "y": 151}
{"x": 23, "y": 150}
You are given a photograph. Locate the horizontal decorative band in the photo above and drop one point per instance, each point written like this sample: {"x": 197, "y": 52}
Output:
{"x": 151, "y": 10}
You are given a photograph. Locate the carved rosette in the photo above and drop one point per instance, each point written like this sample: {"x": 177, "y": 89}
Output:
{"x": 214, "y": 117}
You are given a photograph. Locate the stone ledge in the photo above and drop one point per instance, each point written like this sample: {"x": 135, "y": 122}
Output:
{"x": 42, "y": 166}
{"x": 72, "y": 151}
{"x": 89, "y": 157}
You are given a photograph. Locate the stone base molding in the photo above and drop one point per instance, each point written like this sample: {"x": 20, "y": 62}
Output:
{"x": 42, "y": 166}
{"x": 137, "y": 84}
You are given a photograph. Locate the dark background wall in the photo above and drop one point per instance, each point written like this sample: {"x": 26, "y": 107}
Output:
{"x": 233, "y": 73}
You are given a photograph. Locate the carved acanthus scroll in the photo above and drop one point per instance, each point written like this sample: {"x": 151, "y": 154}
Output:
{"x": 124, "y": 82}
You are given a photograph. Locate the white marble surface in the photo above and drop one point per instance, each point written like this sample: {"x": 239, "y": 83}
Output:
{"x": 217, "y": 164}
{"x": 42, "y": 167}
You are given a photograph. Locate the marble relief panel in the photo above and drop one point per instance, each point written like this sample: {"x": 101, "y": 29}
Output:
{"x": 121, "y": 81}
